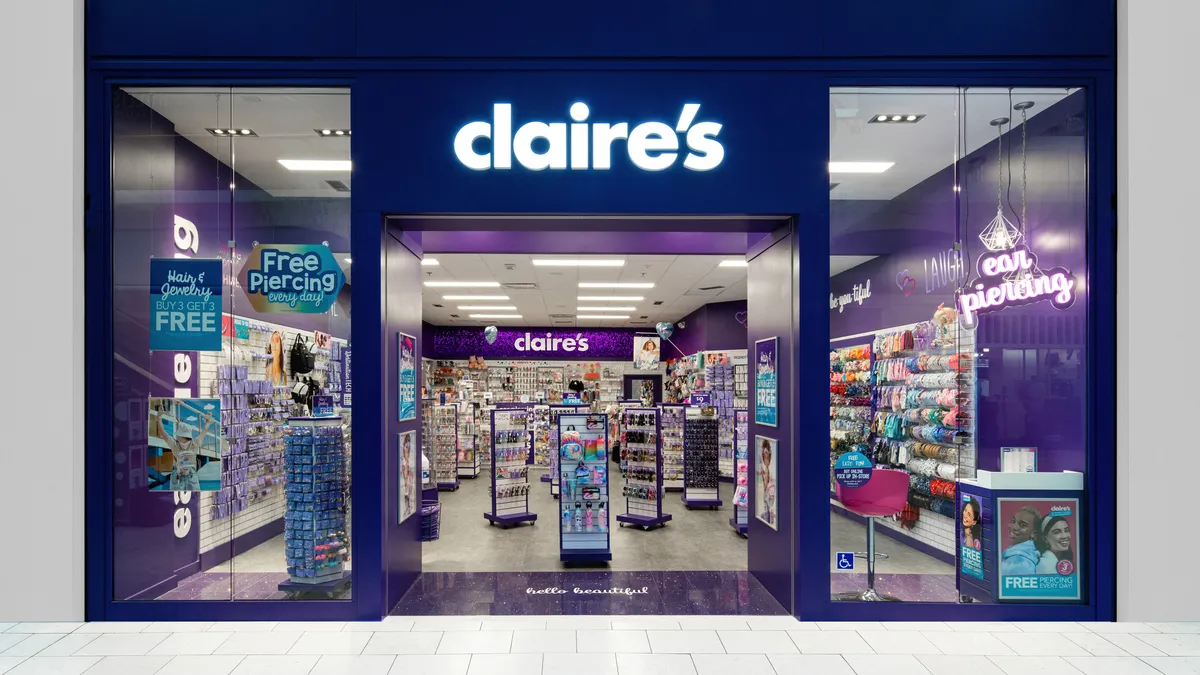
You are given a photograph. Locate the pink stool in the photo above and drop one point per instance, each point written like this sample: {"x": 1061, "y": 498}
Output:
{"x": 884, "y": 495}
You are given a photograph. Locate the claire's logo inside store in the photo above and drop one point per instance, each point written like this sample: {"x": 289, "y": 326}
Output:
{"x": 528, "y": 343}
{"x": 538, "y": 146}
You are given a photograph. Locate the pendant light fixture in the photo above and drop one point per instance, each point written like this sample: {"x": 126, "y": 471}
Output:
{"x": 1000, "y": 234}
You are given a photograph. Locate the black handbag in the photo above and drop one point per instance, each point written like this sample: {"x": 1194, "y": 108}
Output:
{"x": 302, "y": 359}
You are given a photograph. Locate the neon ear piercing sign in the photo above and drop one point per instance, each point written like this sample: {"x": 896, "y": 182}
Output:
{"x": 1012, "y": 278}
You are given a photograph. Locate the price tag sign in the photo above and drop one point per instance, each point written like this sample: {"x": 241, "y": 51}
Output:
{"x": 852, "y": 470}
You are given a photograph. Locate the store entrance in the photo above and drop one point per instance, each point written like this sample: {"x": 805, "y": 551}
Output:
{"x": 571, "y": 415}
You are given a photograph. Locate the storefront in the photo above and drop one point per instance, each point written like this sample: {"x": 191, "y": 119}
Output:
{"x": 731, "y": 133}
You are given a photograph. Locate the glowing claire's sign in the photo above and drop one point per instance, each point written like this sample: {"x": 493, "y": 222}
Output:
{"x": 529, "y": 343}
{"x": 651, "y": 146}
{"x": 1011, "y": 278}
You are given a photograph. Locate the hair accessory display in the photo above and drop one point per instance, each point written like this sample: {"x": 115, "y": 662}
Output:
{"x": 511, "y": 452}
{"x": 583, "y": 532}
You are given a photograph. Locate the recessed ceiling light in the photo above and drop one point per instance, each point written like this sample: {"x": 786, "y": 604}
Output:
{"x": 330, "y": 133}
{"x": 733, "y": 263}
{"x": 600, "y": 316}
{"x": 605, "y": 298}
{"x": 474, "y": 297}
{"x": 606, "y": 309}
{"x": 230, "y": 132}
{"x": 896, "y": 118}
{"x": 605, "y": 284}
{"x": 910, "y": 118}
{"x": 494, "y": 308}
{"x": 860, "y": 167}
{"x": 315, "y": 164}
{"x": 495, "y": 316}
{"x": 339, "y": 132}
{"x": 893, "y": 118}
{"x": 578, "y": 262}
{"x": 348, "y": 260}
{"x": 429, "y": 262}
{"x": 881, "y": 118}
{"x": 463, "y": 284}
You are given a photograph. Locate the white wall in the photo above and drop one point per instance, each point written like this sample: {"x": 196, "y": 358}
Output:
{"x": 1157, "y": 441}
{"x": 41, "y": 215}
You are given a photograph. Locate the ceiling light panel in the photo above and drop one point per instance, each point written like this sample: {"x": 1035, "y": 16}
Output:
{"x": 315, "y": 164}
{"x": 611, "y": 298}
{"x": 495, "y": 316}
{"x": 897, "y": 118}
{"x": 606, "y": 309}
{"x": 225, "y": 132}
{"x": 429, "y": 262}
{"x": 332, "y": 133}
{"x": 733, "y": 263}
{"x": 577, "y": 262}
{"x": 601, "y": 316}
{"x": 493, "y": 308}
{"x": 860, "y": 167}
{"x": 463, "y": 284}
{"x": 605, "y": 284}
{"x": 475, "y": 297}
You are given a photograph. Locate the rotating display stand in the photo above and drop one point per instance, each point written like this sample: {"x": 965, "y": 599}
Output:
{"x": 700, "y": 473}
{"x": 510, "y": 468}
{"x": 314, "y": 531}
{"x": 643, "y": 469}
{"x": 584, "y": 505}
{"x": 444, "y": 428}
{"x": 468, "y": 439}
{"x": 741, "y": 490}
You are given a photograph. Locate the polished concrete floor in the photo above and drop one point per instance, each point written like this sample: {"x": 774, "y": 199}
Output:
{"x": 692, "y": 540}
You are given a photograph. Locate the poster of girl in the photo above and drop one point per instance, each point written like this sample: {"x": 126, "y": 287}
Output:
{"x": 766, "y": 459}
{"x": 646, "y": 353}
{"x": 408, "y": 476}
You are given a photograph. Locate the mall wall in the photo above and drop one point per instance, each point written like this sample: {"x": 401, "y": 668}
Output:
{"x": 1156, "y": 241}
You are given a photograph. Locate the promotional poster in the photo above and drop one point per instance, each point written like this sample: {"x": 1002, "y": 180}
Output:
{"x": 185, "y": 304}
{"x": 646, "y": 352}
{"x": 766, "y": 383}
{"x": 409, "y": 456}
{"x": 1040, "y": 546}
{"x": 184, "y": 445}
{"x": 408, "y": 377}
{"x": 970, "y": 540}
{"x": 301, "y": 278}
{"x": 766, "y": 463}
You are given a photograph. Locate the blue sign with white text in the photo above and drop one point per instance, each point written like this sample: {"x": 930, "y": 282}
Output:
{"x": 852, "y": 470}
{"x": 185, "y": 304}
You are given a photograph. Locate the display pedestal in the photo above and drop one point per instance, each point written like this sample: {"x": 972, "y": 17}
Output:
{"x": 584, "y": 503}
{"x": 328, "y": 587}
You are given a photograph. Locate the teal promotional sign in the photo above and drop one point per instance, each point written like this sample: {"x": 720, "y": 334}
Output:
{"x": 185, "y": 304}
{"x": 301, "y": 278}
{"x": 407, "y": 395}
{"x": 766, "y": 382}
{"x": 852, "y": 470}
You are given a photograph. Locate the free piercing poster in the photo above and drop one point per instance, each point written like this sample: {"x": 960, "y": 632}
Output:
{"x": 407, "y": 377}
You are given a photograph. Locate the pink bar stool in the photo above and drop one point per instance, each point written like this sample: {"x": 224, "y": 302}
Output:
{"x": 884, "y": 495}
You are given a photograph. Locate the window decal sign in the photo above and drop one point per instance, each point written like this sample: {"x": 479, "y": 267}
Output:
{"x": 539, "y": 146}
{"x": 301, "y": 278}
{"x": 1009, "y": 276}
{"x": 185, "y": 304}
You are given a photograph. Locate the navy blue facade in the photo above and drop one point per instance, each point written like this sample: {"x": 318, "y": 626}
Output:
{"x": 418, "y": 72}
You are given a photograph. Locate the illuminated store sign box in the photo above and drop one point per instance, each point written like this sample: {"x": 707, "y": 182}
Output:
{"x": 651, "y": 146}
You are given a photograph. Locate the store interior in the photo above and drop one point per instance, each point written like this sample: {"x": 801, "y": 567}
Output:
{"x": 653, "y": 431}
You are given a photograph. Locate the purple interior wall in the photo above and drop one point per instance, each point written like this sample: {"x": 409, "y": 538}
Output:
{"x": 1032, "y": 391}
{"x": 402, "y": 303}
{"x": 715, "y": 326}
{"x": 769, "y": 300}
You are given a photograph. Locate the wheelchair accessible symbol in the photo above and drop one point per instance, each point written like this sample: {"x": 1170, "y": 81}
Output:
{"x": 845, "y": 560}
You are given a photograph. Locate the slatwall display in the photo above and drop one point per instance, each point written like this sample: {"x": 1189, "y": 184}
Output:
{"x": 700, "y": 474}
{"x": 643, "y": 469}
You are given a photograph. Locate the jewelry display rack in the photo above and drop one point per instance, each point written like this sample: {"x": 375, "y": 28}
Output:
{"x": 850, "y": 393}
{"x": 314, "y": 531}
{"x": 700, "y": 476}
{"x": 741, "y": 389}
{"x": 643, "y": 472}
{"x": 542, "y": 448}
{"x": 720, "y": 383}
{"x": 583, "y": 460}
{"x": 616, "y": 424}
{"x": 741, "y": 490}
{"x": 444, "y": 441}
{"x": 510, "y": 468}
{"x": 427, "y": 436}
{"x": 468, "y": 439}
{"x": 671, "y": 442}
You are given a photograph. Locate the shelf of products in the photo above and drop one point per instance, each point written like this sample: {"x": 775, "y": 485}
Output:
{"x": 315, "y": 541}
{"x": 741, "y": 491}
{"x": 555, "y": 412}
{"x": 700, "y": 476}
{"x": 672, "y": 420}
{"x": 850, "y": 405}
{"x": 252, "y": 416}
{"x": 468, "y": 439}
{"x": 543, "y": 447}
{"x": 719, "y": 382}
{"x": 643, "y": 469}
{"x": 584, "y": 503}
{"x": 444, "y": 442}
{"x": 510, "y": 468}
{"x": 550, "y": 383}
{"x": 427, "y": 444}
{"x": 445, "y": 378}
{"x": 741, "y": 390}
